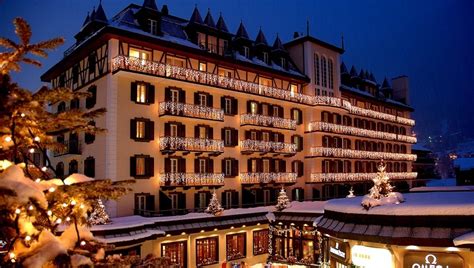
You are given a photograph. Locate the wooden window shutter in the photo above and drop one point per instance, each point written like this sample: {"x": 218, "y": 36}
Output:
{"x": 196, "y": 131}
{"x": 210, "y": 133}
{"x": 196, "y": 165}
{"x": 196, "y": 200}
{"x": 210, "y": 165}
{"x": 182, "y": 96}
{"x": 249, "y": 165}
{"x": 282, "y": 165}
{"x": 182, "y": 165}
{"x": 150, "y": 202}
{"x": 149, "y": 166}
{"x": 223, "y": 103}
{"x": 281, "y": 137}
{"x": 249, "y": 109}
{"x": 133, "y": 91}
{"x": 167, "y": 129}
{"x": 235, "y": 137}
{"x": 181, "y": 130}
{"x": 150, "y": 130}
{"x": 210, "y": 100}
{"x": 224, "y": 199}
{"x": 151, "y": 94}
{"x": 165, "y": 202}
{"x": 167, "y": 165}
{"x": 259, "y": 165}
{"x": 235, "y": 106}
{"x": 181, "y": 201}
{"x": 196, "y": 98}
{"x": 208, "y": 198}
{"x": 133, "y": 129}
{"x": 281, "y": 112}
{"x": 247, "y": 135}
{"x": 133, "y": 166}
{"x": 167, "y": 94}
{"x": 235, "y": 167}
{"x": 235, "y": 199}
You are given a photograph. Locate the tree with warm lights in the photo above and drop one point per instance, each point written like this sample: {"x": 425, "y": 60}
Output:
{"x": 45, "y": 218}
{"x": 214, "y": 207}
{"x": 282, "y": 201}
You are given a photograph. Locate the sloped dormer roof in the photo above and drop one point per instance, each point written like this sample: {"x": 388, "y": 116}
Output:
{"x": 88, "y": 18}
{"x": 209, "y": 21}
{"x": 151, "y": 4}
{"x": 353, "y": 71}
{"x": 100, "y": 14}
{"x": 277, "y": 45}
{"x": 372, "y": 77}
{"x": 385, "y": 84}
{"x": 196, "y": 16}
{"x": 344, "y": 68}
{"x": 261, "y": 38}
{"x": 242, "y": 32}
{"x": 362, "y": 74}
{"x": 221, "y": 24}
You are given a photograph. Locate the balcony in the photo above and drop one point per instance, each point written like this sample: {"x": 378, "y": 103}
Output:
{"x": 172, "y": 144}
{"x": 191, "y": 179}
{"x": 357, "y": 177}
{"x": 349, "y": 153}
{"x": 267, "y": 121}
{"x": 194, "y": 76}
{"x": 255, "y": 146}
{"x": 354, "y": 131}
{"x": 69, "y": 147}
{"x": 190, "y": 110}
{"x": 275, "y": 177}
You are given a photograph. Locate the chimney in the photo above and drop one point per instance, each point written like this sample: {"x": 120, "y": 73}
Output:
{"x": 296, "y": 35}
{"x": 401, "y": 88}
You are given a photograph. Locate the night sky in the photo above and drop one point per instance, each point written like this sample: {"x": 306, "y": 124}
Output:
{"x": 430, "y": 41}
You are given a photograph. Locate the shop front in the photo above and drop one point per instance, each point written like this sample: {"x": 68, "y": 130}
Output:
{"x": 338, "y": 253}
{"x": 422, "y": 259}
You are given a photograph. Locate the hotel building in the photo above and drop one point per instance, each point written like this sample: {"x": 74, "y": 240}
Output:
{"x": 194, "y": 108}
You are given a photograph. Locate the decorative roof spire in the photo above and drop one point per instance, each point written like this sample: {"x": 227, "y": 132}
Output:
{"x": 88, "y": 18}
{"x": 209, "y": 21}
{"x": 362, "y": 74}
{"x": 372, "y": 77}
{"x": 242, "y": 32}
{"x": 343, "y": 68}
{"x": 385, "y": 84}
{"x": 151, "y": 4}
{"x": 196, "y": 16}
{"x": 164, "y": 10}
{"x": 261, "y": 38}
{"x": 353, "y": 71}
{"x": 100, "y": 14}
{"x": 92, "y": 17}
{"x": 221, "y": 24}
{"x": 277, "y": 45}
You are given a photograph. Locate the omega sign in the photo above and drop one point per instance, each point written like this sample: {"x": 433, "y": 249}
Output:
{"x": 432, "y": 260}
{"x": 338, "y": 249}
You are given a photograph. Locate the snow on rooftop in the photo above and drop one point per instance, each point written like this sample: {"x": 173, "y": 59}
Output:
{"x": 464, "y": 163}
{"x": 443, "y": 188}
{"x": 419, "y": 204}
{"x": 306, "y": 207}
{"x": 465, "y": 239}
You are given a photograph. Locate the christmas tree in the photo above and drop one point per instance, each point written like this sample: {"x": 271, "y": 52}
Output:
{"x": 214, "y": 207}
{"x": 282, "y": 201}
{"x": 34, "y": 198}
{"x": 382, "y": 192}
{"x": 351, "y": 193}
{"x": 98, "y": 216}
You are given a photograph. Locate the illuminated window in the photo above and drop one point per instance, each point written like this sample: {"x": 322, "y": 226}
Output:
{"x": 260, "y": 242}
{"x": 293, "y": 89}
{"x": 173, "y": 165}
{"x": 174, "y": 130}
{"x": 264, "y": 109}
{"x": 202, "y": 133}
{"x": 175, "y": 253}
{"x": 246, "y": 52}
{"x": 153, "y": 26}
{"x": 141, "y": 93}
{"x": 202, "y": 166}
{"x": 139, "y": 54}
{"x": 253, "y": 107}
{"x": 203, "y": 67}
{"x": 140, "y": 166}
{"x": 235, "y": 246}
{"x": 266, "y": 136}
{"x": 141, "y": 130}
{"x": 206, "y": 251}
{"x": 266, "y": 165}
{"x": 225, "y": 72}
{"x": 254, "y": 165}
{"x": 265, "y": 57}
{"x": 175, "y": 61}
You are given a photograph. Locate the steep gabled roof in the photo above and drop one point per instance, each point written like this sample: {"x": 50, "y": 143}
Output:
{"x": 277, "y": 45}
{"x": 362, "y": 74}
{"x": 261, "y": 38}
{"x": 353, "y": 71}
{"x": 209, "y": 21}
{"x": 151, "y": 4}
{"x": 196, "y": 16}
{"x": 372, "y": 77}
{"x": 100, "y": 14}
{"x": 385, "y": 84}
{"x": 221, "y": 24}
{"x": 242, "y": 32}
{"x": 344, "y": 68}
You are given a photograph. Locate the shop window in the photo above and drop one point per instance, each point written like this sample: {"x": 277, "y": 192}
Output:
{"x": 207, "y": 251}
{"x": 235, "y": 246}
{"x": 260, "y": 242}
{"x": 176, "y": 253}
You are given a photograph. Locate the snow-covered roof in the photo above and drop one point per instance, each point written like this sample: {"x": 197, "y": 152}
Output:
{"x": 465, "y": 239}
{"x": 464, "y": 163}
{"x": 416, "y": 204}
{"x": 367, "y": 94}
{"x": 443, "y": 188}
{"x": 315, "y": 207}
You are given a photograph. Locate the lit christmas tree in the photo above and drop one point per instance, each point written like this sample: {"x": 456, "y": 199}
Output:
{"x": 382, "y": 192}
{"x": 98, "y": 216}
{"x": 351, "y": 193}
{"x": 214, "y": 207}
{"x": 34, "y": 198}
{"x": 282, "y": 201}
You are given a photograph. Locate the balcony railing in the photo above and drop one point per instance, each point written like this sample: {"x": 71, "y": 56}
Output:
{"x": 354, "y": 177}
{"x": 70, "y": 147}
{"x": 348, "y": 130}
{"x": 267, "y": 121}
{"x": 191, "y": 110}
{"x": 190, "y": 75}
{"x": 349, "y": 153}
{"x": 276, "y": 177}
{"x": 267, "y": 147}
{"x": 191, "y": 144}
{"x": 192, "y": 179}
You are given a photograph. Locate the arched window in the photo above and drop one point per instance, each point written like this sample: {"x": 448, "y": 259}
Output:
{"x": 380, "y": 127}
{"x": 89, "y": 167}
{"x": 330, "y": 72}
{"x": 75, "y": 103}
{"x": 61, "y": 107}
{"x": 347, "y": 166}
{"x": 403, "y": 149}
{"x": 403, "y": 167}
{"x": 89, "y": 137}
{"x": 403, "y": 131}
{"x": 73, "y": 167}
{"x": 317, "y": 76}
{"x": 388, "y": 147}
{"x": 60, "y": 169}
{"x": 325, "y": 141}
{"x": 325, "y": 117}
{"x": 324, "y": 71}
{"x": 346, "y": 120}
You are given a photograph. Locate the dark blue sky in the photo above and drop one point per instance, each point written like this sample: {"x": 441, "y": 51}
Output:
{"x": 431, "y": 41}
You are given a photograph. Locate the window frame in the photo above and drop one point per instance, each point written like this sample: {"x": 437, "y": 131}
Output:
{"x": 199, "y": 243}
{"x": 241, "y": 244}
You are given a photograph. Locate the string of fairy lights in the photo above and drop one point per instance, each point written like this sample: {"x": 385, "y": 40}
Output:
{"x": 263, "y": 120}
{"x": 191, "y": 75}
{"x": 268, "y": 146}
{"x": 191, "y": 144}
{"x": 267, "y": 177}
{"x": 355, "y": 131}
{"x": 349, "y": 153}
{"x": 352, "y": 177}
{"x": 190, "y": 110}
{"x": 191, "y": 179}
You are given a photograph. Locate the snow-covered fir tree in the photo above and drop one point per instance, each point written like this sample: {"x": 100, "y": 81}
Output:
{"x": 214, "y": 207}
{"x": 282, "y": 201}
{"x": 98, "y": 216}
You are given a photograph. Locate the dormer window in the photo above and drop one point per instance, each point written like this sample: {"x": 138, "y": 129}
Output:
{"x": 152, "y": 26}
{"x": 265, "y": 57}
{"x": 283, "y": 62}
{"x": 247, "y": 52}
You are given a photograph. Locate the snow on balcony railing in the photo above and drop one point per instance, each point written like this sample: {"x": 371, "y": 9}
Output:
{"x": 349, "y": 153}
{"x": 267, "y": 146}
{"x": 191, "y": 179}
{"x": 191, "y": 144}
{"x": 348, "y": 130}
{"x": 191, "y": 110}
{"x": 276, "y": 177}
{"x": 348, "y": 177}
{"x": 195, "y": 76}
{"x": 267, "y": 121}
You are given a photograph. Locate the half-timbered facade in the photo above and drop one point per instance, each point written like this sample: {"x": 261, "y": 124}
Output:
{"x": 193, "y": 108}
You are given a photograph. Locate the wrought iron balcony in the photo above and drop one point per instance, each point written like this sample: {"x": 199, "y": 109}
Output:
{"x": 191, "y": 144}
{"x": 349, "y": 153}
{"x": 355, "y": 131}
{"x": 267, "y": 121}
{"x": 354, "y": 177}
{"x": 190, "y": 110}
{"x": 276, "y": 177}
{"x": 192, "y": 179}
{"x": 249, "y": 146}
{"x": 190, "y": 75}
{"x": 69, "y": 147}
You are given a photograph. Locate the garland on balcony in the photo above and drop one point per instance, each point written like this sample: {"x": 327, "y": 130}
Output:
{"x": 349, "y": 153}
{"x": 263, "y": 120}
{"x": 191, "y": 144}
{"x": 343, "y": 177}
{"x": 268, "y": 146}
{"x": 197, "y": 111}
{"x": 277, "y": 177}
{"x": 177, "y": 179}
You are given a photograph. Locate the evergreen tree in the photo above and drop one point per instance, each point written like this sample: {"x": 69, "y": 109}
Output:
{"x": 214, "y": 207}
{"x": 98, "y": 216}
{"x": 382, "y": 187}
{"x": 282, "y": 201}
